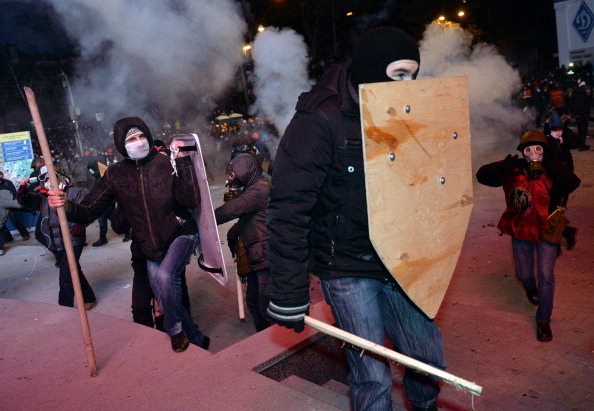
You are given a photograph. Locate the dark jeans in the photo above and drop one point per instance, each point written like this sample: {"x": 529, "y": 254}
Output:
{"x": 371, "y": 309}
{"x": 256, "y": 300}
{"x": 4, "y": 237}
{"x": 14, "y": 219}
{"x": 142, "y": 294}
{"x": 582, "y": 128}
{"x": 102, "y": 220}
{"x": 66, "y": 294}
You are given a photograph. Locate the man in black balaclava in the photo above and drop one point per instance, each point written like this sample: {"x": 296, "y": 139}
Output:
{"x": 318, "y": 222}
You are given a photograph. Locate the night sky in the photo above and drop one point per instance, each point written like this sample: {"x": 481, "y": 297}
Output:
{"x": 523, "y": 31}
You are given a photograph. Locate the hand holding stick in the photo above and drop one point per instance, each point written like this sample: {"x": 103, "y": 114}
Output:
{"x": 58, "y": 198}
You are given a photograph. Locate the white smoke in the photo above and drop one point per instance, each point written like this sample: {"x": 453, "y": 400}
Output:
{"x": 280, "y": 70}
{"x": 177, "y": 54}
{"x": 447, "y": 51}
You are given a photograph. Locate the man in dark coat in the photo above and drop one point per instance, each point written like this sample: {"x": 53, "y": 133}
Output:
{"x": 582, "y": 103}
{"x": 156, "y": 202}
{"x": 245, "y": 173}
{"x": 318, "y": 223}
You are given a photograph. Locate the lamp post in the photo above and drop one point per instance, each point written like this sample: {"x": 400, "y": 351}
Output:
{"x": 66, "y": 85}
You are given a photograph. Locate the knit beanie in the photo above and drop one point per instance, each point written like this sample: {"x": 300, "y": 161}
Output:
{"x": 555, "y": 121}
{"x": 133, "y": 132}
{"x": 378, "y": 48}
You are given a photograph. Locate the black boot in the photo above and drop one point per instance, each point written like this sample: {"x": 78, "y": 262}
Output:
{"x": 570, "y": 233}
{"x": 102, "y": 241}
{"x": 532, "y": 296}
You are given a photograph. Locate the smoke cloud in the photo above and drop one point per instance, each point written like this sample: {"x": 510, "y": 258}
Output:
{"x": 175, "y": 54}
{"x": 447, "y": 51}
{"x": 280, "y": 74}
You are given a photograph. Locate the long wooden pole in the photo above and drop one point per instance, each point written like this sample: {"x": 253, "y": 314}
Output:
{"x": 393, "y": 355}
{"x": 240, "y": 305}
{"x": 65, "y": 231}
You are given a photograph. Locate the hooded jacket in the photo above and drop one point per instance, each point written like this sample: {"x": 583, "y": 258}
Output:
{"x": 317, "y": 215}
{"x": 48, "y": 231}
{"x": 250, "y": 208}
{"x": 155, "y": 201}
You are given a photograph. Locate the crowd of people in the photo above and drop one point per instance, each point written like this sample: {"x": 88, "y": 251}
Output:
{"x": 310, "y": 217}
{"x": 567, "y": 93}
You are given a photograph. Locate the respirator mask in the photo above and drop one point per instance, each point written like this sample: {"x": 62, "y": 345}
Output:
{"x": 234, "y": 185}
{"x": 534, "y": 155}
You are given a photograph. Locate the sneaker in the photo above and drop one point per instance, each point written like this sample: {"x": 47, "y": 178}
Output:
{"x": 2, "y": 252}
{"x": 180, "y": 342}
{"x": 127, "y": 237}
{"x": 25, "y": 238}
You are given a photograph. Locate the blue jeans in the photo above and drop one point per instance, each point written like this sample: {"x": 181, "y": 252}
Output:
{"x": 256, "y": 299}
{"x": 546, "y": 255}
{"x": 370, "y": 309}
{"x": 165, "y": 279}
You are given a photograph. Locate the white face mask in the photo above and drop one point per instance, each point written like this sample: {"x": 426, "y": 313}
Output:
{"x": 139, "y": 149}
{"x": 556, "y": 134}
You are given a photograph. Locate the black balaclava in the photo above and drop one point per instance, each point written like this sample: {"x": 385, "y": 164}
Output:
{"x": 378, "y": 48}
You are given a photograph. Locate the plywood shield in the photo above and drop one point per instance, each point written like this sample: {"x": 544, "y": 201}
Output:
{"x": 419, "y": 180}
{"x": 211, "y": 257}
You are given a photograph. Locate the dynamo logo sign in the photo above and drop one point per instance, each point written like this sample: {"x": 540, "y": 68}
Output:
{"x": 584, "y": 21}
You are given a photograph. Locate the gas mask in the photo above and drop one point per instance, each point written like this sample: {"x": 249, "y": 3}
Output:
{"x": 234, "y": 185}
{"x": 534, "y": 155}
{"x": 137, "y": 150}
{"x": 45, "y": 184}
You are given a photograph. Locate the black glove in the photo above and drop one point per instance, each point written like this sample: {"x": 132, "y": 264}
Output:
{"x": 510, "y": 164}
{"x": 232, "y": 243}
{"x": 290, "y": 317}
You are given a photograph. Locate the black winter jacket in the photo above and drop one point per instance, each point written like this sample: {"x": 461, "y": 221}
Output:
{"x": 250, "y": 208}
{"x": 317, "y": 215}
{"x": 155, "y": 201}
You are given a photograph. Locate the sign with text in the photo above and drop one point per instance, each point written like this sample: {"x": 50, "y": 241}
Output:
{"x": 15, "y": 147}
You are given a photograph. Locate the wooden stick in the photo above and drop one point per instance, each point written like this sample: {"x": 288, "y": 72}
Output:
{"x": 65, "y": 231}
{"x": 240, "y": 299}
{"x": 393, "y": 355}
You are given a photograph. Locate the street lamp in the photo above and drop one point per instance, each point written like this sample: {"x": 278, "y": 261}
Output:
{"x": 66, "y": 84}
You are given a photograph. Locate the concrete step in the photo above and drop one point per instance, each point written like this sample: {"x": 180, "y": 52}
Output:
{"x": 320, "y": 393}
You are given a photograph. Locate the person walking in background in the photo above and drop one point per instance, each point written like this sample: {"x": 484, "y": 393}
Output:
{"x": 50, "y": 235}
{"x": 534, "y": 188}
{"x": 8, "y": 186}
{"x": 562, "y": 140}
{"x": 581, "y": 106}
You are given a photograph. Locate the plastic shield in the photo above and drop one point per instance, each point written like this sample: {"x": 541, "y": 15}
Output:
{"x": 211, "y": 253}
{"x": 419, "y": 180}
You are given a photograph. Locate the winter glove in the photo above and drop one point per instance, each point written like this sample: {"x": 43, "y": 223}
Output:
{"x": 510, "y": 164}
{"x": 290, "y": 317}
{"x": 232, "y": 243}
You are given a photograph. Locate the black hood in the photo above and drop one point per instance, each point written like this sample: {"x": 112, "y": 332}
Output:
{"x": 246, "y": 168}
{"x": 122, "y": 126}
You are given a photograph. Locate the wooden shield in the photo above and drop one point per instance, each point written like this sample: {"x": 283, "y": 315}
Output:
{"x": 419, "y": 180}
